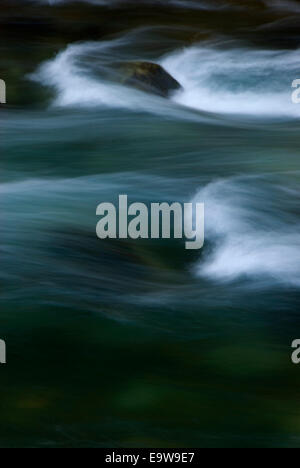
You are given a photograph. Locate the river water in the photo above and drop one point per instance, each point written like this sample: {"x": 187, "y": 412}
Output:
{"x": 142, "y": 343}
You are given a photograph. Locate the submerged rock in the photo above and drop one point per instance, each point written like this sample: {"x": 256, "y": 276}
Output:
{"x": 149, "y": 77}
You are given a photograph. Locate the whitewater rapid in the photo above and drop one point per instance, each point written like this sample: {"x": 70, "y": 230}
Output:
{"x": 223, "y": 77}
{"x": 255, "y": 235}
{"x": 251, "y": 223}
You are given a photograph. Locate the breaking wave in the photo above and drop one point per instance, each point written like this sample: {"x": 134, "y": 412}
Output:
{"x": 253, "y": 236}
{"x": 223, "y": 78}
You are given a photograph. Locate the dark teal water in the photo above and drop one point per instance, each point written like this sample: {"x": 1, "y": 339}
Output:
{"x": 142, "y": 343}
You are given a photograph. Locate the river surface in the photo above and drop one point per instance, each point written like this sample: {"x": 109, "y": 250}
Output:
{"x": 122, "y": 343}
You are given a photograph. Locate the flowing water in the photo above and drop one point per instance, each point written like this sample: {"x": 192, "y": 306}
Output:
{"x": 141, "y": 343}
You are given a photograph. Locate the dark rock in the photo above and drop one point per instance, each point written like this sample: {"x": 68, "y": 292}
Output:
{"x": 149, "y": 77}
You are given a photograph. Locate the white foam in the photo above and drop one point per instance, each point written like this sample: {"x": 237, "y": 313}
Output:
{"x": 75, "y": 84}
{"x": 252, "y": 237}
{"x": 236, "y": 80}
{"x": 224, "y": 78}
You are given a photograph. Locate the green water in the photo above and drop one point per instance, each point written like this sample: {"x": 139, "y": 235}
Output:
{"x": 142, "y": 343}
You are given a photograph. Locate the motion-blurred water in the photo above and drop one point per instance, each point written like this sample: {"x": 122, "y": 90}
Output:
{"x": 141, "y": 343}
